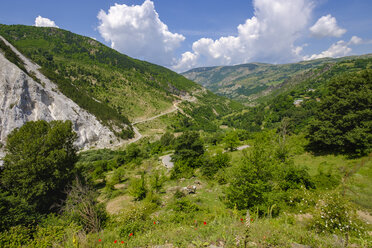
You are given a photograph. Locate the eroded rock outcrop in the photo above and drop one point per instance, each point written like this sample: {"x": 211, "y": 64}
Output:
{"x": 23, "y": 99}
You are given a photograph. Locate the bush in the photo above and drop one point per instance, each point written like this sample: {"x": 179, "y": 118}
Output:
{"x": 133, "y": 151}
{"x": 135, "y": 219}
{"x": 211, "y": 165}
{"x": 157, "y": 181}
{"x": 17, "y": 236}
{"x": 295, "y": 177}
{"x": 184, "y": 205}
{"x": 181, "y": 169}
{"x": 100, "y": 167}
{"x": 335, "y": 214}
{"x": 167, "y": 139}
{"x": 51, "y": 232}
{"x": 82, "y": 208}
{"x": 137, "y": 188}
{"x": 15, "y": 211}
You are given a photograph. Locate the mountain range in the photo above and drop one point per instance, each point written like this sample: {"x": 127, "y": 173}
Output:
{"x": 247, "y": 83}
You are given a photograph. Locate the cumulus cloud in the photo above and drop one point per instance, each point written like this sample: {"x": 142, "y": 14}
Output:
{"x": 339, "y": 49}
{"x": 326, "y": 26}
{"x": 138, "y": 32}
{"x": 268, "y": 36}
{"x": 44, "y": 22}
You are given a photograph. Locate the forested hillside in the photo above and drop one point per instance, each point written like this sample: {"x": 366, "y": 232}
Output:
{"x": 249, "y": 82}
{"x": 298, "y": 101}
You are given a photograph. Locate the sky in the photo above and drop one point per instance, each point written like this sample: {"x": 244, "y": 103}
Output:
{"x": 184, "y": 34}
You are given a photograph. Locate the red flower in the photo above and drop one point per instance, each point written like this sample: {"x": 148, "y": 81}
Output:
{"x": 251, "y": 219}
{"x": 99, "y": 240}
{"x": 115, "y": 241}
{"x": 241, "y": 219}
{"x": 131, "y": 234}
{"x": 154, "y": 222}
{"x": 205, "y": 223}
{"x": 122, "y": 242}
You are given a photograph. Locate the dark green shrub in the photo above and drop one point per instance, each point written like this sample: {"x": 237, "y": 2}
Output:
{"x": 295, "y": 177}
{"x": 184, "y": 205}
{"x": 178, "y": 194}
{"x": 181, "y": 169}
{"x": 212, "y": 164}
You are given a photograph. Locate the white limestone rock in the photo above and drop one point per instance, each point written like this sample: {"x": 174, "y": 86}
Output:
{"x": 23, "y": 99}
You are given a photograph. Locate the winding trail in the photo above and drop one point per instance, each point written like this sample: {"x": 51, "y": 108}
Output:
{"x": 171, "y": 110}
{"x": 174, "y": 108}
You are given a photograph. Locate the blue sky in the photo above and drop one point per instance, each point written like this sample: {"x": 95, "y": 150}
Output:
{"x": 182, "y": 34}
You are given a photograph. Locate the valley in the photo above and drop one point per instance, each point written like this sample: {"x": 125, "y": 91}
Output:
{"x": 104, "y": 150}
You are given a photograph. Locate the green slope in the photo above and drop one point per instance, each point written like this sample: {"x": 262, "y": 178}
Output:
{"x": 297, "y": 98}
{"x": 112, "y": 86}
{"x": 248, "y": 82}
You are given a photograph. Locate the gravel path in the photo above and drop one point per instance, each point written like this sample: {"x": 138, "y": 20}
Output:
{"x": 166, "y": 160}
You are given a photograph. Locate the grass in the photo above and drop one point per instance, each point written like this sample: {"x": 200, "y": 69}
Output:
{"x": 360, "y": 186}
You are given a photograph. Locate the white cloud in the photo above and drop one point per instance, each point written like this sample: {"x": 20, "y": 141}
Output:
{"x": 355, "y": 40}
{"x": 339, "y": 49}
{"x": 327, "y": 26}
{"x": 138, "y": 32}
{"x": 44, "y": 22}
{"x": 268, "y": 36}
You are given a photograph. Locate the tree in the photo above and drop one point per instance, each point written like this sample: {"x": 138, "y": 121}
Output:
{"x": 167, "y": 139}
{"x": 252, "y": 178}
{"x": 211, "y": 165}
{"x": 231, "y": 141}
{"x": 138, "y": 187}
{"x": 39, "y": 162}
{"x": 343, "y": 122}
{"x": 189, "y": 147}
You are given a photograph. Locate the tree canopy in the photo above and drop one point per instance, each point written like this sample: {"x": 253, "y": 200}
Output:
{"x": 189, "y": 147}
{"x": 343, "y": 122}
{"x": 39, "y": 163}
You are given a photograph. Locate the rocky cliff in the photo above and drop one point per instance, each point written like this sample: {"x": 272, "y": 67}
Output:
{"x": 23, "y": 99}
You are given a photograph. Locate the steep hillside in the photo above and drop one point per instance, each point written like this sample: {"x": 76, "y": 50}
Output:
{"x": 113, "y": 87}
{"x": 248, "y": 82}
{"x": 132, "y": 88}
{"x": 26, "y": 95}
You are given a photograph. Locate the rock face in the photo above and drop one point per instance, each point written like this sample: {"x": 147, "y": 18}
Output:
{"x": 23, "y": 99}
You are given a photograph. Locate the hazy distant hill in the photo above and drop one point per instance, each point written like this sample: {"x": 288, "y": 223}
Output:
{"x": 247, "y": 82}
